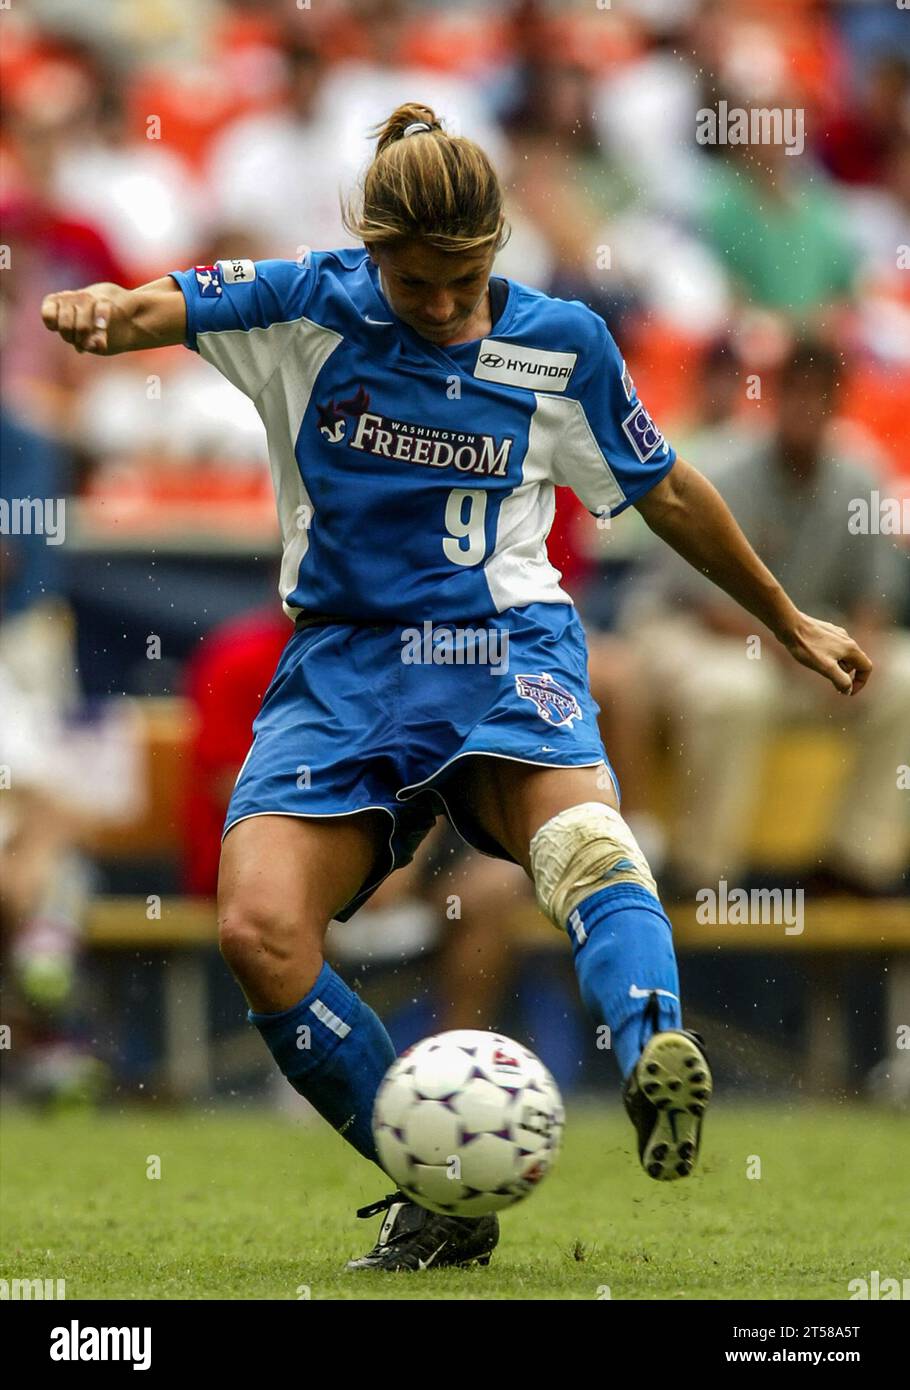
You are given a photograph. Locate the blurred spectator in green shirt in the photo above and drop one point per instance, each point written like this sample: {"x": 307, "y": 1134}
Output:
{"x": 780, "y": 229}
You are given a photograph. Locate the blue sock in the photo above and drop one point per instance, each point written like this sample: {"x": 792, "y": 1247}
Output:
{"x": 334, "y": 1050}
{"x": 623, "y": 948}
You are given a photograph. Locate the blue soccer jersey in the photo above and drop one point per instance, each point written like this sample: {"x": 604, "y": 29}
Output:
{"x": 414, "y": 481}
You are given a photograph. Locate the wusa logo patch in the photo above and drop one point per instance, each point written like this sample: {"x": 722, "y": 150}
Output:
{"x": 643, "y": 434}
{"x": 208, "y": 281}
{"x": 531, "y": 368}
{"x": 554, "y": 704}
{"x": 211, "y": 279}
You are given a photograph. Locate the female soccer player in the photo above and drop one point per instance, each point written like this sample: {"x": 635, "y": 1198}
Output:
{"x": 419, "y": 414}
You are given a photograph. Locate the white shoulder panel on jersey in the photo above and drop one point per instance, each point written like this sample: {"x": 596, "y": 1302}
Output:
{"x": 249, "y": 356}
{"x": 300, "y": 350}
{"x": 577, "y": 459}
{"x": 518, "y": 571}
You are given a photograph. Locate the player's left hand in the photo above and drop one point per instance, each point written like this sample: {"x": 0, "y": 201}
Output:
{"x": 829, "y": 650}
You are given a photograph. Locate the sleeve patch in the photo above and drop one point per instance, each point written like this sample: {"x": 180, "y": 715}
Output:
{"x": 236, "y": 272}
{"x": 208, "y": 281}
{"x": 643, "y": 434}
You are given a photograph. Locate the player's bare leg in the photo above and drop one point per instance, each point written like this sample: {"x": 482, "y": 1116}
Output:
{"x": 282, "y": 880}
{"x": 513, "y": 800}
{"x": 564, "y": 827}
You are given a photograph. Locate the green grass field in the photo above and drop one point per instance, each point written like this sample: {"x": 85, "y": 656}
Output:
{"x": 251, "y": 1205}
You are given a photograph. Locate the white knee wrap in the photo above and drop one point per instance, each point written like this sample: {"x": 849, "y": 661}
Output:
{"x": 580, "y": 850}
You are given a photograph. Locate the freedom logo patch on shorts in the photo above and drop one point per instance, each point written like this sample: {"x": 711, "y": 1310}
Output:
{"x": 554, "y": 704}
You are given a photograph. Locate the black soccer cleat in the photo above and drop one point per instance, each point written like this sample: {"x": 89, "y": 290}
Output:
{"x": 666, "y": 1095}
{"x": 411, "y": 1237}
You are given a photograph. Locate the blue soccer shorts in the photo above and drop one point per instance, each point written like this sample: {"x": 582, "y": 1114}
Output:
{"x": 361, "y": 718}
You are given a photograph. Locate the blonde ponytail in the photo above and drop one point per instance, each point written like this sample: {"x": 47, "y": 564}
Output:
{"x": 425, "y": 184}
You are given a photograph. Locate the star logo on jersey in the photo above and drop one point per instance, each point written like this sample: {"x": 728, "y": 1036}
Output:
{"x": 208, "y": 281}
{"x": 331, "y": 416}
{"x": 554, "y": 704}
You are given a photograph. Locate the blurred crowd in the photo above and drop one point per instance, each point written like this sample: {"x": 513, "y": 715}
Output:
{"x": 761, "y": 297}
{"x": 144, "y": 136}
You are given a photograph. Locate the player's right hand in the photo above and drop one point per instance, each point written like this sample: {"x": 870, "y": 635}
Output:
{"x": 83, "y": 318}
{"x": 831, "y": 651}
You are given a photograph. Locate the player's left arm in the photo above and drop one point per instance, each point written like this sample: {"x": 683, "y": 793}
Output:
{"x": 686, "y": 510}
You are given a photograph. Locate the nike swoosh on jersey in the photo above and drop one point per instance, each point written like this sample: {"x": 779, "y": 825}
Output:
{"x": 636, "y": 993}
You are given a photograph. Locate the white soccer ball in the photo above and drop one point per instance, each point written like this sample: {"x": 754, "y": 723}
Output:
{"x": 467, "y": 1122}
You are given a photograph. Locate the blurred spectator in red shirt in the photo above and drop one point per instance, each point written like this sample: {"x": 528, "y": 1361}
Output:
{"x": 49, "y": 248}
{"x": 855, "y": 144}
{"x": 226, "y": 680}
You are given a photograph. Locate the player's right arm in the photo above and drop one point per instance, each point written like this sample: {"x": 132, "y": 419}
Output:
{"x": 106, "y": 319}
